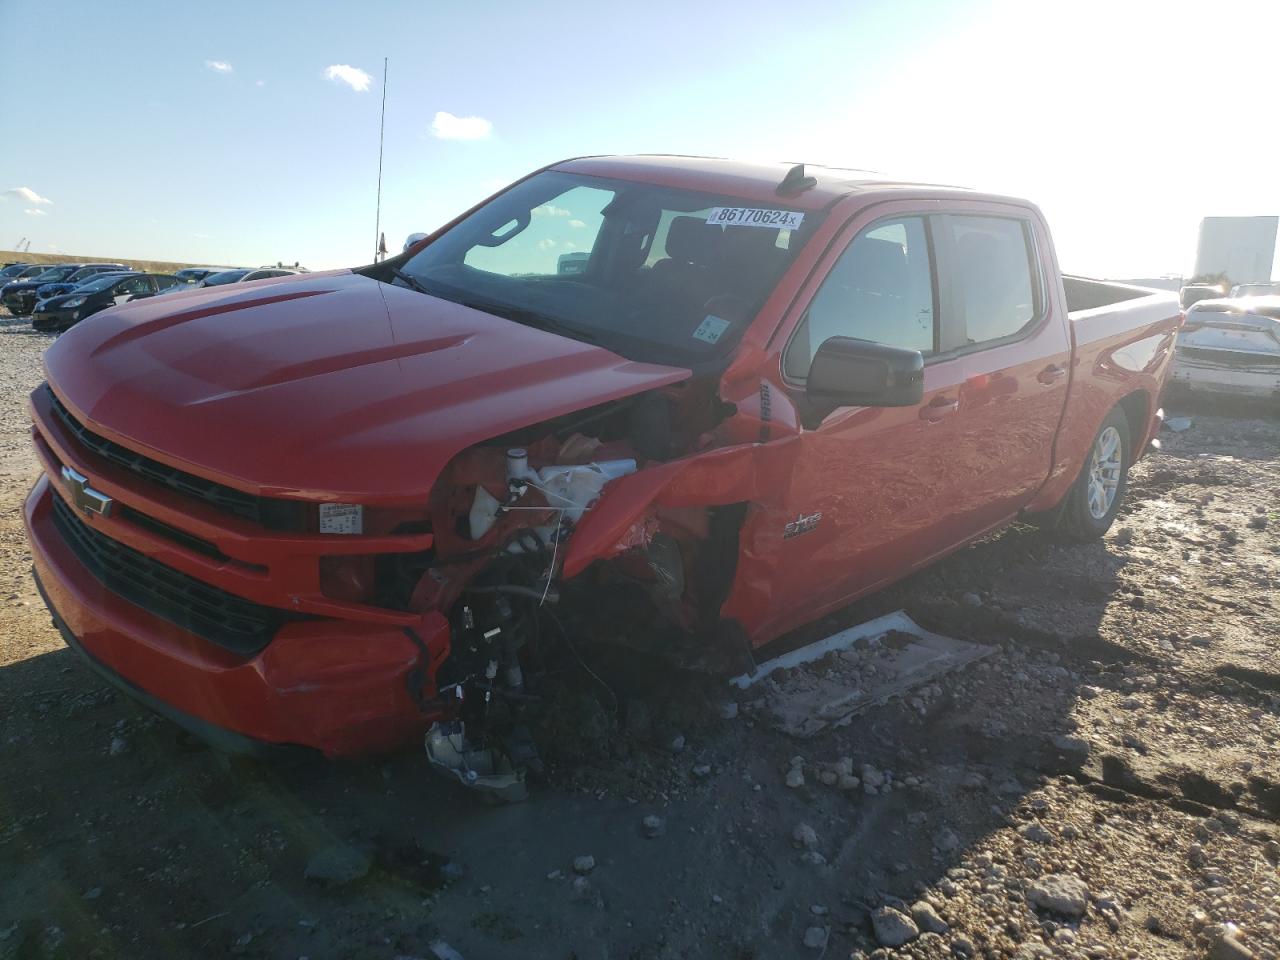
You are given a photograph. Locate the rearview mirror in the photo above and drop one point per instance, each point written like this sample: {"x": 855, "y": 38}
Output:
{"x": 847, "y": 372}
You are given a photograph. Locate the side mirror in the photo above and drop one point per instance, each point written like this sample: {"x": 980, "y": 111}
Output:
{"x": 412, "y": 239}
{"x": 847, "y": 372}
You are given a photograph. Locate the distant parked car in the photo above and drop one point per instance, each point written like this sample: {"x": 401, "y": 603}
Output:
{"x": 19, "y": 296}
{"x": 1195, "y": 292}
{"x": 1268, "y": 289}
{"x": 196, "y": 274}
{"x": 13, "y": 271}
{"x": 1230, "y": 346}
{"x": 244, "y": 275}
{"x": 68, "y": 309}
{"x": 86, "y": 272}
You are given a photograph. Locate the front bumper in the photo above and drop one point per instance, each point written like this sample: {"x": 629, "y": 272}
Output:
{"x": 341, "y": 687}
{"x": 54, "y": 319}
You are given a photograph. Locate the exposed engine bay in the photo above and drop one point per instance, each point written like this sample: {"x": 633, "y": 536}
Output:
{"x": 503, "y": 514}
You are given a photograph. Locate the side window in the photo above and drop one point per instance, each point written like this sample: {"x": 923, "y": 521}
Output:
{"x": 553, "y": 239}
{"x": 881, "y": 289}
{"x": 135, "y": 285}
{"x": 993, "y": 276}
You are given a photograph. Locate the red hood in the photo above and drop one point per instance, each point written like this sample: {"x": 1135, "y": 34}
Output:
{"x": 333, "y": 385}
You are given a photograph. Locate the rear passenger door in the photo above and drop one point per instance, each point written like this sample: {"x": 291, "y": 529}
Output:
{"x": 1013, "y": 355}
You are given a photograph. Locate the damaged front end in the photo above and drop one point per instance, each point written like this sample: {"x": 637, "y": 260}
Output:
{"x": 515, "y": 584}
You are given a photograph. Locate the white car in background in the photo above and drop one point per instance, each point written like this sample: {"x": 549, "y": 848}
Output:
{"x": 1266, "y": 289}
{"x": 1230, "y": 345}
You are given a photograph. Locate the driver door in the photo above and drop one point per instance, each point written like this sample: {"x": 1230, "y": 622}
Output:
{"x": 871, "y": 493}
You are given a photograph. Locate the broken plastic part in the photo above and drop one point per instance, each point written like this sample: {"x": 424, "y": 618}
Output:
{"x": 487, "y": 771}
{"x": 904, "y": 656}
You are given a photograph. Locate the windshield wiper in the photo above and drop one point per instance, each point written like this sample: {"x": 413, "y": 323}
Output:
{"x": 410, "y": 280}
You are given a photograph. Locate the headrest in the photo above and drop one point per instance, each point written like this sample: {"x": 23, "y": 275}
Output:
{"x": 693, "y": 240}
{"x": 749, "y": 241}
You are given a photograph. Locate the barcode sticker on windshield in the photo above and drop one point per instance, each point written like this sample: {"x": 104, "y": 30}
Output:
{"x": 755, "y": 217}
{"x": 711, "y": 329}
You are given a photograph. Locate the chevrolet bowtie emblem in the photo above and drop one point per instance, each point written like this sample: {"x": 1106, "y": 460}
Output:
{"x": 84, "y": 496}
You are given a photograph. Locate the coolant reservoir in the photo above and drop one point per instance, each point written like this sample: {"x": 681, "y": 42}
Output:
{"x": 574, "y": 488}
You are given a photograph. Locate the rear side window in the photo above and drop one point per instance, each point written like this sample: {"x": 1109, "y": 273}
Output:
{"x": 994, "y": 276}
{"x": 881, "y": 290}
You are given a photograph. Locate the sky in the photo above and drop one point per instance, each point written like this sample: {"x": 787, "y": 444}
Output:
{"x": 247, "y": 133}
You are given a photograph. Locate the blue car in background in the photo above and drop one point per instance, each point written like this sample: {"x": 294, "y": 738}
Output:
{"x": 86, "y": 272}
{"x": 19, "y": 271}
{"x": 19, "y": 296}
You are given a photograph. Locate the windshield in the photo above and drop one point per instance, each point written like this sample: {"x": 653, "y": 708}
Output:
{"x": 652, "y": 272}
{"x": 226, "y": 276}
{"x": 52, "y": 276}
{"x": 84, "y": 274}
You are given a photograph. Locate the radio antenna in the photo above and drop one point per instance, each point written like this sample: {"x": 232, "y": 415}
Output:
{"x": 378, "y": 247}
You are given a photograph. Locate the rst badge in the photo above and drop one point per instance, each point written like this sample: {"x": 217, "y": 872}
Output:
{"x": 84, "y": 496}
{"x": 802, "y": 524}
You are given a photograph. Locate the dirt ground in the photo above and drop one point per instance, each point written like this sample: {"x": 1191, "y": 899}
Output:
{"x": 1106, "y": 784}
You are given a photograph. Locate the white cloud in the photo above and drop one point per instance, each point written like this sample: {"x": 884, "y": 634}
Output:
{"x": 259, "y": 83}
{"x": 201, "y": 236}
{"x": 219, "y": 66}
{"x": 550, "y": 210}
{"x": 446, "y": 126}
{"x": 27, "y": 195}
{"x": 546, "y": 243}
{"x": 32, "y": 212}
{"x": 577, "y": 224}
{"x": 353, "y": 77}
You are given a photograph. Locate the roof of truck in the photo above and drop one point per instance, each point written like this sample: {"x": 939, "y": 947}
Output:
{"x": 751, "y": 179}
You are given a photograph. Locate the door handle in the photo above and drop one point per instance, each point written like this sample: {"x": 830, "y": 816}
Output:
{"x": 1052, "y": 373}
{"x": 938, "y": 408}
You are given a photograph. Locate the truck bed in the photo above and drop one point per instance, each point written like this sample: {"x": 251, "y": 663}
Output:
{"x": 1100, "y": 309}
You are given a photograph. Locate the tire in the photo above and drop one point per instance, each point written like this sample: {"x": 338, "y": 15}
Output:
{"x": 1086, "y": 513}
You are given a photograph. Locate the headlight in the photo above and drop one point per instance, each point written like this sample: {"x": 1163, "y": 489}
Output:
{"x": 74, "y": 302}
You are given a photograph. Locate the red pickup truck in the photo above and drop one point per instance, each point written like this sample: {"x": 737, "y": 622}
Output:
{"x": 328, "y": 510}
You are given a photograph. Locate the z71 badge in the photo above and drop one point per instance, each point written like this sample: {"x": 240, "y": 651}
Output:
{"x": 802, "y": 524}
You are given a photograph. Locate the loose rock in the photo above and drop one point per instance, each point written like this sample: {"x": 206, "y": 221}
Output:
{"x": 805, "y": 836}
{"x": 337, "y": 865}
{"x": 892, "y": 927}
{"x": 1061, "y": 893}
{"x": 653, "y": 826}
{"x": 1035, "y": 833}
{"x": 584, "y": 865}
{"x": 815, "y": 938}
{"x": 927, "y": 919}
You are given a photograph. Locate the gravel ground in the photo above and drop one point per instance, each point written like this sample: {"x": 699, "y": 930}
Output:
{"x": 1107, "y": 784}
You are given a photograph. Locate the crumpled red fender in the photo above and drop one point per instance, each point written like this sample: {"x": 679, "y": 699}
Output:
{"x": 752, "y": 472}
